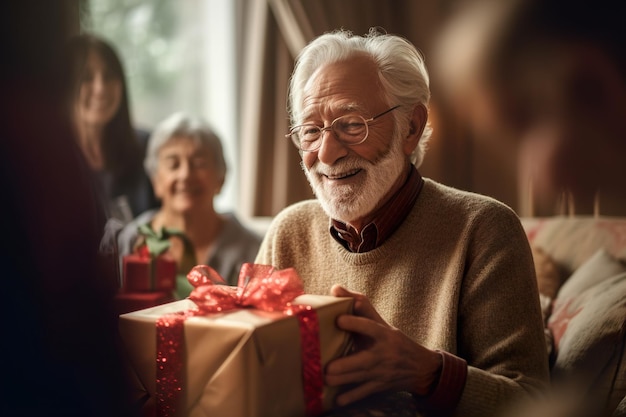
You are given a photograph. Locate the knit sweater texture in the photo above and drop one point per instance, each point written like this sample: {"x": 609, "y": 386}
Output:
{"x": 456, "y": 276}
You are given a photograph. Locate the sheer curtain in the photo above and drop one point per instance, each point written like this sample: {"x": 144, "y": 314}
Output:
{"x": 275, "y": 32}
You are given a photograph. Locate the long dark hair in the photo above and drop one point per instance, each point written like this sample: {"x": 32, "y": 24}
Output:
{"x": 120, "y": 146}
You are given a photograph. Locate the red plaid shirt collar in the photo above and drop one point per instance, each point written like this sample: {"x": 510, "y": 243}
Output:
{"x": 385, "y": 221}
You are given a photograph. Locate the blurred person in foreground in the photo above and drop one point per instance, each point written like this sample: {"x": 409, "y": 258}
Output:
{"x": 186, "y": 164}
{"x": 446, "y": 303}
{"x": 59, "y": 335}
{"x": 551, "y": 76}
{"x": 100, "y": 111}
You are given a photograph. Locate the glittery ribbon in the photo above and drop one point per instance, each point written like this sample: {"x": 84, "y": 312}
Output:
{"x": 261, "y": 287}
{"x": 311, "y": 357}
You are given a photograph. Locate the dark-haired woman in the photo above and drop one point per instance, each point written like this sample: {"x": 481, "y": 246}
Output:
{"x": 100, "y": 113}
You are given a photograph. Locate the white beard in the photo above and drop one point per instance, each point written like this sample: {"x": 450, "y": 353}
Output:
{"x": 350, "y": 202}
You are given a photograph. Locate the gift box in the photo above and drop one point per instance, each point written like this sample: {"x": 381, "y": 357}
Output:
{"x": 143, "y": 273}
{"x": 151, "y": 267}
{"x": 243, "y": 362}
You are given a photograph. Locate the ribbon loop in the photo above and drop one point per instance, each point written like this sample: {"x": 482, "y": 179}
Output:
{"x": 260, "y": 286}
{"x": 204, "y": 275}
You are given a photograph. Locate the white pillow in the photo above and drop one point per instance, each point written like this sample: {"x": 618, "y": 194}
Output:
{"x": 600, "y": 266}
{"x": 589, "y": 332}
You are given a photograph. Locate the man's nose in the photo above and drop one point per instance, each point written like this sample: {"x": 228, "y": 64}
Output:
{"x": 331, "y": 148}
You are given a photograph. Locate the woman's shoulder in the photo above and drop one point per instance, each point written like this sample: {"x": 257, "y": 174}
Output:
{"x": 235, "y": 228}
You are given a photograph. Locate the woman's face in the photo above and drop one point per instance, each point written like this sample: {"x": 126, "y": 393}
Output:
{"x": 100, "y": 93}
{"x": 186, "y": 178}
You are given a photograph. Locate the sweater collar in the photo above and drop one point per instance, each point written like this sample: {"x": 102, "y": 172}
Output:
{"x": 385, "y": 221}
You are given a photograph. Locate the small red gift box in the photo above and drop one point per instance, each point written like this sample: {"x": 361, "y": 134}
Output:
{"x": 146, "y": 274}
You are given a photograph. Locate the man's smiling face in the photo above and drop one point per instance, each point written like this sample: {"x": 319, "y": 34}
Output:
{"x": 351, "y": 181}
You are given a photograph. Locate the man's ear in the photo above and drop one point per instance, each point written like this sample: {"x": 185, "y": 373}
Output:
{"x": 417, "y": 124}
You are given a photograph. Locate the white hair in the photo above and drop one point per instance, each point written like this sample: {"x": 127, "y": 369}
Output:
{"x": 181, "y": 124}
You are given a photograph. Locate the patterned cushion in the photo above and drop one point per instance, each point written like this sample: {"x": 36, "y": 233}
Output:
{"x": 570, "y": 241}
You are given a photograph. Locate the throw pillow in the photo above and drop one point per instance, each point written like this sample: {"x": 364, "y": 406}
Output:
{"x": 589, "y": 330}
{"x": 600, "y": 266}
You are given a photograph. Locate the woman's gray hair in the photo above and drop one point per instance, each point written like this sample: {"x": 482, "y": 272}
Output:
{"x": 182, "y": 124}
{"x": 401, "y": 69}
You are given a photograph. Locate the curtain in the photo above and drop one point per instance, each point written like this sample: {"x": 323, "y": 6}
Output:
{"x": 275, "y": 31}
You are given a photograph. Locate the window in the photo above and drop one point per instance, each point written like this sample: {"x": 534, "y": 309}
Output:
{"x": 177, "y": 56}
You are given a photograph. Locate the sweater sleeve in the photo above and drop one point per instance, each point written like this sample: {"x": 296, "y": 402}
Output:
{"x": 500, "y": 326}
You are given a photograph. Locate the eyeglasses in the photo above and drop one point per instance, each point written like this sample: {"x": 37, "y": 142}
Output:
{"x": 350, "y": 130}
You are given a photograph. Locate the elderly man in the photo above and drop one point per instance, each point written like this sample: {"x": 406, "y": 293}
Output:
{"x": 446, "y": 304}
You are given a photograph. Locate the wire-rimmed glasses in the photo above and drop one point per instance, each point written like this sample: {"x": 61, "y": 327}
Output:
{"x": 350, "y": 130}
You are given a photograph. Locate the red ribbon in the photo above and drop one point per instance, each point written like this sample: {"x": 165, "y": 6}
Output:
{"x": 261, "y": 287}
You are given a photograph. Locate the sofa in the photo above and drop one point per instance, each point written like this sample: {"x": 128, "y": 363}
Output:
{"x": 581, "y": 275}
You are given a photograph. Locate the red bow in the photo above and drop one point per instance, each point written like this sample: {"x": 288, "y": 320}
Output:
{"x": 260, "y": 286}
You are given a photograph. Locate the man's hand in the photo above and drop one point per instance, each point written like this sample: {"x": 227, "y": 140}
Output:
{"x": 385, "y": 359}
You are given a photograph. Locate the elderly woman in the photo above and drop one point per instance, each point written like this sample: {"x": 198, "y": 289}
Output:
{"x": 185, "y": 162}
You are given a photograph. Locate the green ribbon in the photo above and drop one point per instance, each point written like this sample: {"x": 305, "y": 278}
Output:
{"x": 158, "y": 241}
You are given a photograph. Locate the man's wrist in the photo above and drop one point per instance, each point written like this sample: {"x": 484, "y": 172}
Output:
{"x": 436, "y": 376}
{"x": 445, "y": 392}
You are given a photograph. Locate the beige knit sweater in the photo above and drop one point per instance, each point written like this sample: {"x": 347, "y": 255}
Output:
{"x": 456, "y": 276}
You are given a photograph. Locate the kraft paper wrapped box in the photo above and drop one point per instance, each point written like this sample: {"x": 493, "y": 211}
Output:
{"x": 243, "y": 362}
